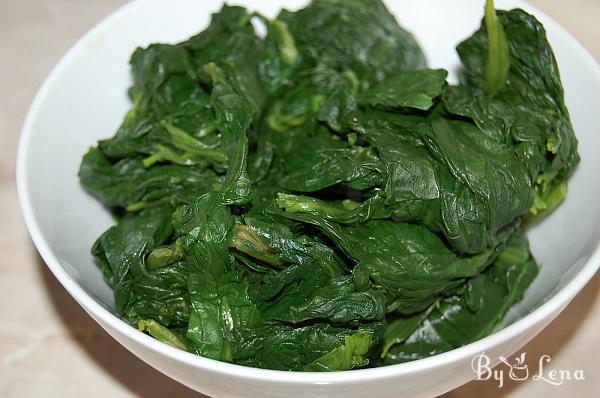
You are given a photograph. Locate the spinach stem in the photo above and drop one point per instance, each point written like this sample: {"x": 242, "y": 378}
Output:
{"x": 498, "y": 62}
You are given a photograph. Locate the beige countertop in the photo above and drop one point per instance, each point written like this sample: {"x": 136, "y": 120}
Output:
{"x": 50, "y": 347}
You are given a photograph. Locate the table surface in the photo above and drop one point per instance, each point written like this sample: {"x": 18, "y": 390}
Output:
{"x": 50, "y": 347}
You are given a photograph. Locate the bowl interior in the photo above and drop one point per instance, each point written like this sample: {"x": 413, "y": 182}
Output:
{"x": 85, "y": 100}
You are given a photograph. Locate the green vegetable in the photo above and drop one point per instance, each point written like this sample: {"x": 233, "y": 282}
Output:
{"x": 161, "y": 333}
{"x": 348, "y": 356}
{"x": 408, "y": 89}
{"x": 317, "y": 199}
{"x": 496, "y": 69}
{"x": 459, "y": 320}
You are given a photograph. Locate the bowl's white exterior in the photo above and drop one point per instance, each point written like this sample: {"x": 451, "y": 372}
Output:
{"x": 84, "y": 100}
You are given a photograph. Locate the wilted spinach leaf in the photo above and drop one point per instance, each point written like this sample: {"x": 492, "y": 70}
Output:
{"x": 461, "y": 319}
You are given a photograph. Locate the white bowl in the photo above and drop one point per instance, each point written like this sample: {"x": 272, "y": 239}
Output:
{"x": 84, "y": 99}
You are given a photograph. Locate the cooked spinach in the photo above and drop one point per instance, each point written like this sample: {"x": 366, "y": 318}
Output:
{"x": 317, "y": 199}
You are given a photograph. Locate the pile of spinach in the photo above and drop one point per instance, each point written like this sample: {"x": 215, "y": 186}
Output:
{"x": 317, "y": 199}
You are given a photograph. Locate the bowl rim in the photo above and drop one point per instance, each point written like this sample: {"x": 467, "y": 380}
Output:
{"x": 544, "y": 312}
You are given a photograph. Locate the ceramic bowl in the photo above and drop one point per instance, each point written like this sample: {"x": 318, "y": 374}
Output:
{"x": 84, "y": 99}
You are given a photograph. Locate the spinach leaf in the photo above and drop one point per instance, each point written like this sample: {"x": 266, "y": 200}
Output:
{"x": 359, "y": 35}
{"x": 461, "y": 319}
{"x": 127, "y": 183}
{"x": 529, "y": 113}
{"x": 347, "y": 356}
{"x": 314, "y": 347}
{"x": 357, "y": 167}
{"x": 218, "y": 292}
{"x": 408, "y": 89}
{"x": 409, "y": 261}
{"x": 139, "y": 292}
